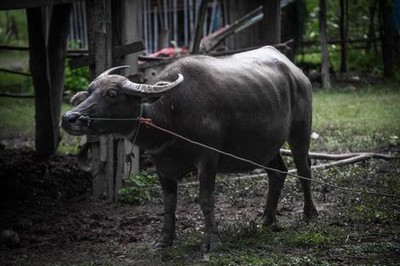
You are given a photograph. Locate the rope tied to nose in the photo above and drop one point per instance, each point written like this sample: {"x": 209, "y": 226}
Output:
{"x": 88, "y": 119}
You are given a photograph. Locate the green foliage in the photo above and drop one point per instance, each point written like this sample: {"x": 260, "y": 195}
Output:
{"x": 77, "y": 79}
{"x": 136, "y": 188}
{"x": 359, "y": 22}
{"x": 70, "y": 144}
{"x": 11, "y": 16}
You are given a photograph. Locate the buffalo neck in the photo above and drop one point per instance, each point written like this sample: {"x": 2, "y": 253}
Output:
{"x": 149, "y": 138}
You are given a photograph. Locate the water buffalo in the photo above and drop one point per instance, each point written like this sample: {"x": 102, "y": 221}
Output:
{"x": 247, "y": 104}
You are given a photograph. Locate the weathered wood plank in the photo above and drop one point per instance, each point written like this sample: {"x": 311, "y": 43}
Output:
{"x": 81, "y": 61}
{"x": 100, "y": 34}
{"x": 127, "y": 27}
{"x": 120, "y": 162}
{"x": 127, "y": 49}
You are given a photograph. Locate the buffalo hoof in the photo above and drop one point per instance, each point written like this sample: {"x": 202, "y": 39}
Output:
{"x": 310, "y": 214}
{"x": 268, "y": 220}
{"x": 160, "y": 245}
{"x": 211, "y": 242}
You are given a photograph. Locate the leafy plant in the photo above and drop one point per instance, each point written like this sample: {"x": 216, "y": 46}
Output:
{"x": 76, "y": 79}
{"x": 136, "y": 188}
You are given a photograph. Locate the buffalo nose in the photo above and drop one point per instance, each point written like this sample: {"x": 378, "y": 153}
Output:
{"x": 71, "y": 117}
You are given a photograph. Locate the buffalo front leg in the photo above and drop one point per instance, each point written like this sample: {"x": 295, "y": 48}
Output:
{"x": 211, "y": 239}
{"x": 169, "y": 188}
{"x": 275, "y": 185}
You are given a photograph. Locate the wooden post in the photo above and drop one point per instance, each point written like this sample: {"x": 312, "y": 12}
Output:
{"x": 46, "y": 58}
{"x": 126, "y": 24}
{"x": 100, "y": 34}
{"x": 131, "y": 32}
{"x": 272, "y": 21}
{"x": 113, "y": 33}
{"x": 44, "y": 134}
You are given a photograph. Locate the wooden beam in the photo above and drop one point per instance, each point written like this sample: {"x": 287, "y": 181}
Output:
{"x": 14, "y": 72}
{"x": 23, "y": 4}
{"x": 21, "y": 96}
{"x": 131, "y": 48}
{"x": 81, "y": 61}
{"x": 118, "y": 51}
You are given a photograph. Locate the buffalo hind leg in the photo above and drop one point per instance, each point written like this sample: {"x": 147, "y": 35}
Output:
{"x": 275, "y": 185}
{"x": 299, "y": 147}
{"x": 206, "y": 174}
{"x": 170, "y": 189}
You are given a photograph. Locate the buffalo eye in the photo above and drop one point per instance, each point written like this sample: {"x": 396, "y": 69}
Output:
{"x": 111, "y": 93}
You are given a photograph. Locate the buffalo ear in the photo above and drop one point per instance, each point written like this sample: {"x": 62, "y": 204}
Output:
{"x": 78, "y": 98}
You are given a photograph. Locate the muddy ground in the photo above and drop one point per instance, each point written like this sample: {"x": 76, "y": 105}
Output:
{"x": 48, "y": 218}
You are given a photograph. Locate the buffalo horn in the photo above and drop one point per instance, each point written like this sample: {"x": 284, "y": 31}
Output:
{"x": 112, "y": 70}
{"x": 148, "y": 90}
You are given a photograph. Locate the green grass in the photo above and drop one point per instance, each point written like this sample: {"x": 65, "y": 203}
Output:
{"x": 367, "y": 118}
{"x": 17, "y": 118}
{"x": 12, "y": 83}
{"x": 298, "y": 244}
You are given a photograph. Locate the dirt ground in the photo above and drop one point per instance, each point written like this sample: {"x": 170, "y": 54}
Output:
{"x": 48, "y": 218}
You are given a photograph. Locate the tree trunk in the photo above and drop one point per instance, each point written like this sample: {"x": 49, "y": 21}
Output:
{"x": 272, "y": 21}
{"x": 386, "y": 36}
{"x": 344, "y": 68}
{"x": 371, "y": 29}
{"x": 326, "y": 83}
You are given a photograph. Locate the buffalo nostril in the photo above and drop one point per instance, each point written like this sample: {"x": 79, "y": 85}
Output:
{"x": 71, "y": 117}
